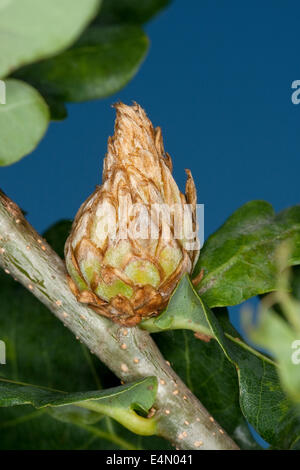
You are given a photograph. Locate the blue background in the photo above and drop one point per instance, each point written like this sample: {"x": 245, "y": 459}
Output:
{"x": 217, "y": 79}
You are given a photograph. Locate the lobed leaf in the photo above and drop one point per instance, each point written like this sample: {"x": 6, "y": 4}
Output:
{"x": 129, "y": 11}
{"x": 211, "y": 377}
{"x": 31, "y": 30}
{"x": 23, "y": 121}
{"x": 277, "y": 336}
{"x": 102, "y": 61}
{"x": 239, "y": 259}
{"x": 177, "y": 317}
{"x": 278, "y": 331}
{"x": 262, "y": 400}
{"x": 119, "y": 402}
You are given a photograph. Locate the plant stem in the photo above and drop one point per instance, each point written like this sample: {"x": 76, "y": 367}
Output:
{"x": 31, "y": 261}
{"x": 128, "y": 418}
{"x": 189, "y": 324}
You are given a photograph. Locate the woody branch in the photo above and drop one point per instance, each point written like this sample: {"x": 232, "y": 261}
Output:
{"x": 129, "y": 352}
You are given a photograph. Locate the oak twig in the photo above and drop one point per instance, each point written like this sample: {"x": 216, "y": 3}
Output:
{"x": 129, "y": 352}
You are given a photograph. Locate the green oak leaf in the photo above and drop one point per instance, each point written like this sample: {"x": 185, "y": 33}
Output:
{"x": 102, "y": 61}
{"x": 175, "y": 316}
{"x": 277, "y": 330}
{"x": 211, "y": 377}
{"x": 263, "y": 401}
{"x": 259, "y": 393}
{"x": 120, "y": 403}
{"x": 25, "y": 428}
{"x": 58, "y": 110}
{"x": 275, "y": 335}
{"x": 194, "y": 358}
{"x": 31, "y": 30}
{"x": 239, "y": 259}
{"x": 23, "y": 121}
{"x": 129, "y": 11}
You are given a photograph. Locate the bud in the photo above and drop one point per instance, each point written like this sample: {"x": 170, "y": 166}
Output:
{"x": 135, "y": 236}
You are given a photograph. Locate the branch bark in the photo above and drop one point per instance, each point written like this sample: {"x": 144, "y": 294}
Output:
{"x": 129, "y": 352}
